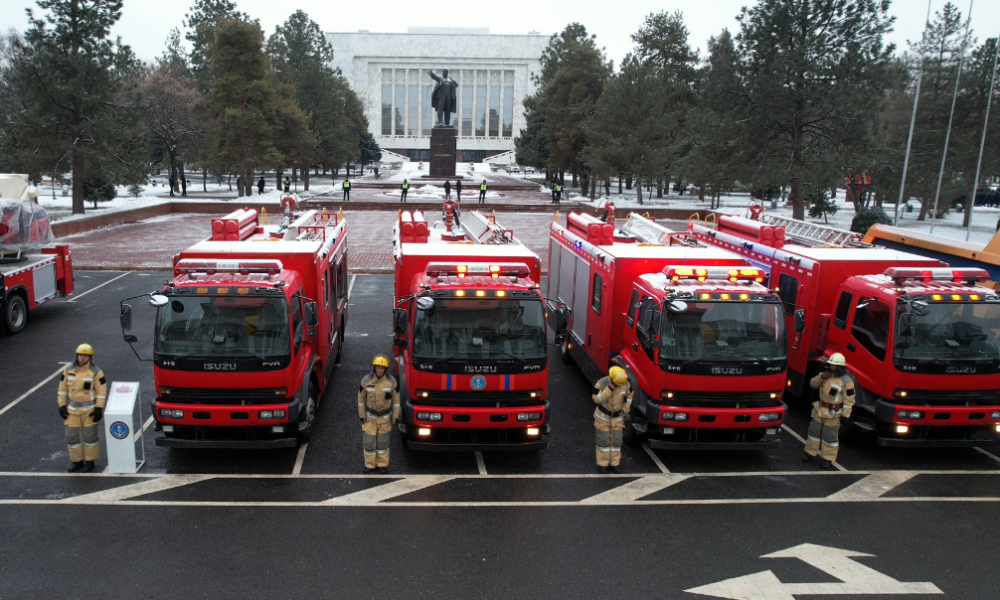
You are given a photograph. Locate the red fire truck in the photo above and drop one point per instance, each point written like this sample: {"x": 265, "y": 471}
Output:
{"x": 920, "y": 338}
{"x": 471, "y": 349}
{"x": 702, "y": 339}
{"x": 248, "y": 331}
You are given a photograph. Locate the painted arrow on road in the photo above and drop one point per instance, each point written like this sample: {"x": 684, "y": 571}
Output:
{"x": 855, "y": 578}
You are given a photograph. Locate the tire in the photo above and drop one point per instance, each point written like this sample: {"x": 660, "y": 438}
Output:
{"x": 308, "y": 416}
{"x": 15, "y": 314}
{"x": 564, "y": 354}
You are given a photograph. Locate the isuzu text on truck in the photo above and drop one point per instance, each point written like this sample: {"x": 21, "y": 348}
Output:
{"x": 248, "y": 330}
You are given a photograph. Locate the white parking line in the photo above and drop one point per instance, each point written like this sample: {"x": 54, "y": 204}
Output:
{"x": 351, "y": 286}
{"x": 136, "y": 489}
{"x": 388, "y": 491}
{"x": 656, "y": 459}
{"x": 802, "y": 440}
{"x": 75, "y": 298}
{"x": 480, "y": 463}
{"x": 989, "y": 454}
{"x": 873, "y": 486}
{"x": 299, "y": 458}
{"x": 34, "y": 389}
{"x": 634, "y": 490}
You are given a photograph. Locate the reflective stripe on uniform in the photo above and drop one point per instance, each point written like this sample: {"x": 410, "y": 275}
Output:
{"x": 372, "y": 453}
{"x": 88, "y": 406}
{"x": 64, "y": 393}
{"x": 381, "y": 451}
{"x": 606, "y": 448}
{"x": 75, "y": 445}
{"x": 815, "y": 439}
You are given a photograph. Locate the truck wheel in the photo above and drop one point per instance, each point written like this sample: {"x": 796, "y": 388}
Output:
{"x": 564, "y": 353}
{"x": 15, "y": 314}
{"x": 308, "y": 416}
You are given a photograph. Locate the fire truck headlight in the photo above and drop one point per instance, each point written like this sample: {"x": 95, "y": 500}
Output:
{"x": 424, "y": 431}
{"x": 422, "y": 416}
{"x": 266, "y": 414}
{"x": 168, "y": 429}
{"x": 672, "y": 416}
{"x": 279, "y": 414}
{"x": 902, "y": 428}
{"x": 996, "y": 416}
{"x": 168, "y": 413}
{"x": 532, "y": 431}
{"x": 533, "y": 416}
{"x": 535, "y": 394}
{"x": 770, "y": 417}
{"x": 998, "y": 428}
{"x": 775, "y": 395}
{"x": 436, "y": 417}
{"x": 910, "y": 414}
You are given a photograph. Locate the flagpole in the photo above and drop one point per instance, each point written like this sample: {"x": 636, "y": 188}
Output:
{"x": 913, "y": 115}
{"x": 982, "y": 140}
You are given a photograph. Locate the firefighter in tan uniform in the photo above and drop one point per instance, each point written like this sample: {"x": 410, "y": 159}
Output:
{"x": 378, "y": 407}
{"x": 83, "y": 392}
{"x": 613, "y": 400}
{"x": 836, "y": 400}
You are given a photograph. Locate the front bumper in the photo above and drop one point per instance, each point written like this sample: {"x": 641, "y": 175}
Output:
{"x": 668, "y": 445}
{"x": 228, "y": 444}
{"x": 443, "y": 439}
{"x": 940, "y": 427}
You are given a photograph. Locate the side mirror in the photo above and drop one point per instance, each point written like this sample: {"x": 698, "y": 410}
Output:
{"x": 799, "y": 321}
{"x": 863, "y": 303}
{"x": 906, "y": 326}
{"x": 312, "y": 315}
{"x": 131, "y": 339}
{"x": 676, "y": 306}
{"x": 562, "y": 321}
{"x": 158, "y": 300}
{"x": 126, "y": 317}
{"x": 920, "y": 308}
{"x": 424, "y": 303}
{"x": 400, "y": 318}
{"x": 400, "y": 342}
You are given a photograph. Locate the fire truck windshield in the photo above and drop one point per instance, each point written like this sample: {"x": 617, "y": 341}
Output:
{"x": 474, "y": 328}
{"x": 952, "y": 337}
{"x": 724, "y": 332}
{"x": 194, "y": 326}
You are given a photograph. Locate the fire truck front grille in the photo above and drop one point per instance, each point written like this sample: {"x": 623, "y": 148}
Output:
{"x": 443, "y": 398}
{"x": 208, "y": 396}
{"x": 722, "y": 399}
{"x": 949, "y": 398}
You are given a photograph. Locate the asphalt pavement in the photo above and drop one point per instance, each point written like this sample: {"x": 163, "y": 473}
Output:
{"x": 303, "y": 522}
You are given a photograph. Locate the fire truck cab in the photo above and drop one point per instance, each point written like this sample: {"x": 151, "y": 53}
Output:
{"x": 700, "y": 336}
{"x": 471, "y": 349}
{"x": 247, "y": 332}
{"x": 921, "y": 339}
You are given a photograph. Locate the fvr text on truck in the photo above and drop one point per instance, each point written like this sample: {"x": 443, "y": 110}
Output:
{"x": 248, "y": 331}
{"x": 921, "y": 338}
{"x": 702, "y": 339}
{"x": 471, "y": 349}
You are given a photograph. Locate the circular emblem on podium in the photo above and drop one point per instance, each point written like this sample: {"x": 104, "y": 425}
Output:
{"x": 119, "y": 430}
{"x": 479, "y": 383}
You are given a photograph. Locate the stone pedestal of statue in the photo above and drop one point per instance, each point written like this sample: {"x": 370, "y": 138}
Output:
{"x": 444, "y": 141}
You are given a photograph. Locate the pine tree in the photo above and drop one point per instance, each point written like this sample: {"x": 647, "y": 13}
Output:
{"x": 816, "y": 73}
{"x": 78, "y": 107}
{"x": 201, "y": 22}
{"x": 369, "y": 150}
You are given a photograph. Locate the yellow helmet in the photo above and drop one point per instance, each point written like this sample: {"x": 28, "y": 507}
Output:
{"x": 85, "y": 349}
{"x": 381, "y": 361}
{"x": 837, "y": 360}
{"x": 617, "y": 375}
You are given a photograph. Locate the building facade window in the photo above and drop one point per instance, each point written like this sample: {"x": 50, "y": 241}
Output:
{"x": 467, "y": 110}
{"x": 481, "y": 103}
{"x": 386, "y": 109}
{"x": 428, "y": 111}
{"x": 399, "y": 114}
{"x": 494, "y": 104}
{"x": 508, "y": 104}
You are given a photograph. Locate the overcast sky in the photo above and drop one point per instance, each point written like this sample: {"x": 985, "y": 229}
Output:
{"x": 146, "y": 23}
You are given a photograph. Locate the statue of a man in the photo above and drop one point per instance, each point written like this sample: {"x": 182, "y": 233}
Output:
{"x": 444, "y": 97}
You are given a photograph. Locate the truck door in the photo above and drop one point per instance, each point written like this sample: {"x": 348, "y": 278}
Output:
{"x": 867, "y": 348}
{"x": 598, "y": 332}
{"x": 581, "y": 286}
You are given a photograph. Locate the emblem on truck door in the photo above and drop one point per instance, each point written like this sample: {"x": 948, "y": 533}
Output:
{"x": 478, "y": 383}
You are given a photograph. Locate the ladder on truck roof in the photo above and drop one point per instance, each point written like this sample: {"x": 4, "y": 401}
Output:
{"x": 312, "y": 226}
{"x": 484, "y": 230}
{"x": 813, "y": 235}
{"x": 648, "y": 231}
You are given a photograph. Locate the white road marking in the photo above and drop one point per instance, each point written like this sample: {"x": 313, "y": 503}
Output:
{"x": 75, "y": 298}
{"x": 388, "y": 491}
{"x": 656, "y": 459}
{"x": 874, "y": 485}
{"x": 141, "y": 488}
{"x": 989, "y": 454}
{"x": 802, "y": 440}
{"x": 855, "y": 578}
{"x": 15, "y": 402}
{"x": 299, "y": 458}
{"x": 480, "y": 463}
{"x": 351, "y": 286}
{"x": 640, "y": 488}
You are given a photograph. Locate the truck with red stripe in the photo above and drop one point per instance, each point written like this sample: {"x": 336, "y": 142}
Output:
{"x": 702, "y": 339}
{"x": 922, "y": 339}
{"x": 32, "y": 271}
{"x": 471, "y": 348}
{"x": 248, "y": 330}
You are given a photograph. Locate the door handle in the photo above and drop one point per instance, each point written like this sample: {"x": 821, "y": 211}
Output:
{"x": 852, "y": 347}
{"x": 635, "y": 346}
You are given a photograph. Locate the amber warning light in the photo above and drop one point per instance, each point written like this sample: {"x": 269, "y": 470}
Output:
{"x": 715, "y": 273}
{"x": 495, "y": 270}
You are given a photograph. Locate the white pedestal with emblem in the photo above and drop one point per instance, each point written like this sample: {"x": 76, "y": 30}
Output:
{"x": 123, "y": 428}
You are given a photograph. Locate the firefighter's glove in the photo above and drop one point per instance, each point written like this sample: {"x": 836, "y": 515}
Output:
{"x": 97, "y": 415}
{"x": 64, "y": 412}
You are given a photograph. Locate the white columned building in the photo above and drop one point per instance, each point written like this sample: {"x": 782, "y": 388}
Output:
{"x": 389, "y": 73}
